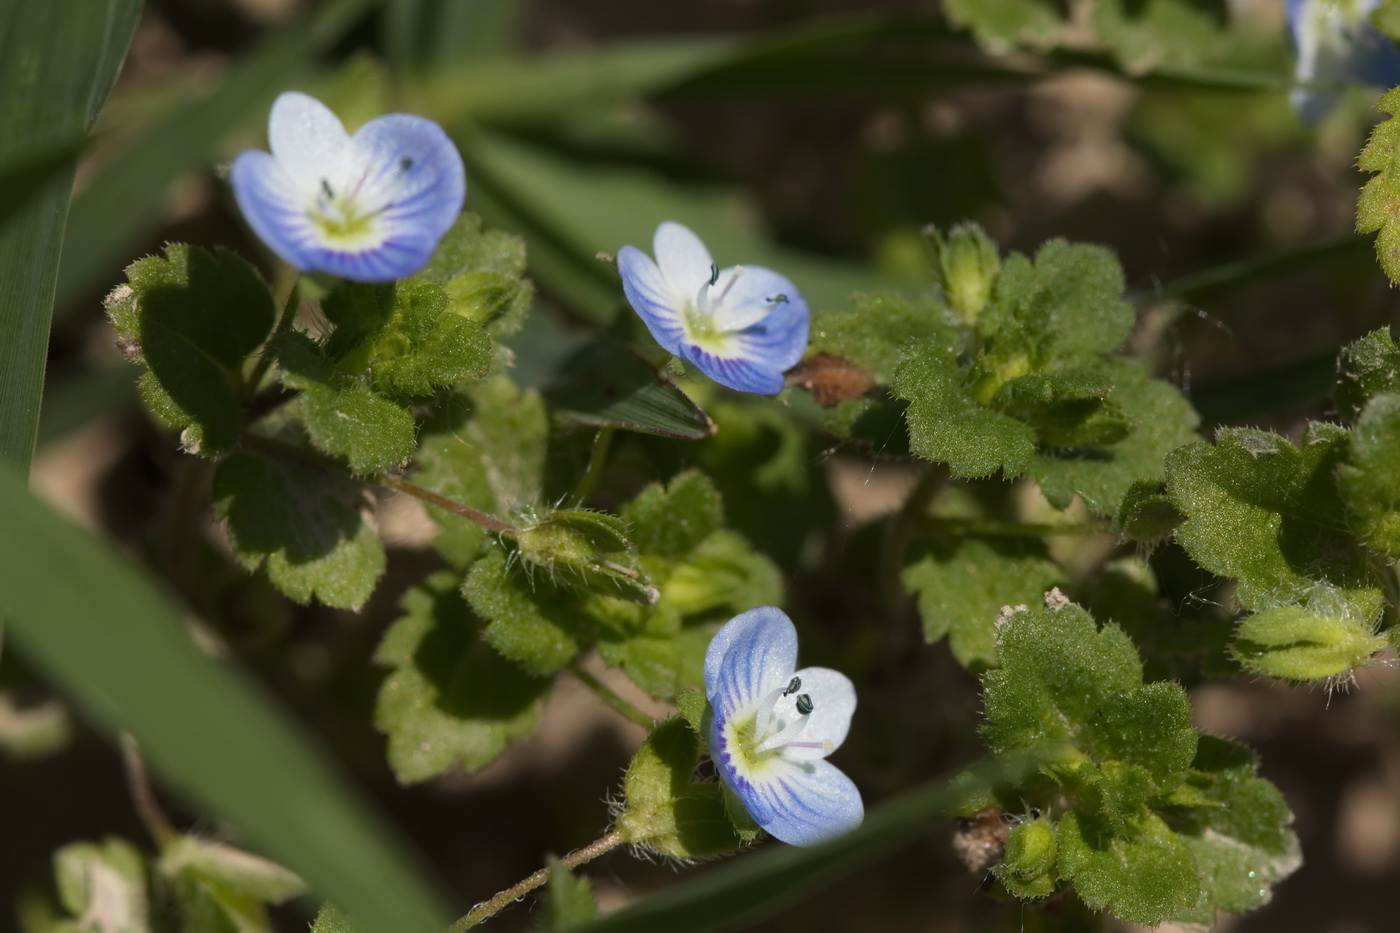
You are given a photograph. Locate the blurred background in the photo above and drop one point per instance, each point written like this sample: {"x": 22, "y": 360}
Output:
{"x": 813, "y": 136}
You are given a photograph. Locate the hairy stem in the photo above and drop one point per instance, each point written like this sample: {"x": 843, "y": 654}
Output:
{"x": 601, "y": 444}
{"x": 515, "y": 892}
{"x": 489, "y": 522}
{"x": 143, "y": 795}
{"x": 284, "y": 323}
{"x": 610, "y": 697}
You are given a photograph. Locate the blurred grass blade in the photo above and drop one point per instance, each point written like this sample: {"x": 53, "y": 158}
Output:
{"x": 583, "y": 209}
{"x": 115, "y": 645}
{"x": 126, "y": 197}
{"x": 607, "y": 385}
{"x": 58, "y": 59}
{"x": 1255, "y": 269}
{"x": 27, "y": 176}
{"x": 403, "y": 29}
{"x": 428, "y": 36}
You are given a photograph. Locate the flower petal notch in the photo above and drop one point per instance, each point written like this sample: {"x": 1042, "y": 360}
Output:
{"x": 1336, "y": 44}
{"x": 368, "y": 207}
{"x": 772, "y": 727}
{"x": 742, "y": 326}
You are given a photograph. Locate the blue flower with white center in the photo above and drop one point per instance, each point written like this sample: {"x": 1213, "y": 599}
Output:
{"x": 741, "y": 326}
{"x": 773, "y": 726}
{"x": 369, "y": 207}
{"x": 1336, "y": 43}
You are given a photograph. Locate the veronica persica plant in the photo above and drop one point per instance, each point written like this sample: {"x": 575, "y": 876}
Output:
{"x": 773, "y": 726}
{"x": 1337, "y": 43}
{"x": 369, "y": 207}
{"x": 741, "y": 326}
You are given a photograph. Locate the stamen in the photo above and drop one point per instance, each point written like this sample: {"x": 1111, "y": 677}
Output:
{"x": 804, "y": 705}
{"x": 326, "y": 187}
{"x": 764, "y": 721}
{"x": 738, "y": 271}
{"x": 714, "y": 273}
{"x": 405, "y": 164}
{"x": 793, "y": 686}
{"x": 779, "y": 299}
{"x": 785, "y": 737}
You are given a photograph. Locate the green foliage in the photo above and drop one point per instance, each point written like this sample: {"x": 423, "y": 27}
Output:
{"x": 1147, "y": 513}
{"x": 1378, "y": 207}
{"x": 531, "y": 622}
{"x": 191, "y": 318}
{"x": 448, "y": 698}
{"x": 607, "y": 385}
{"x": 962, "y": 586}
{"x": 1293, "y": 643}
{"x": 222, "y": 889}
{"x": 1369, "y": 482}
{"x": 1145, "y": 35}
{"x": 588, "y": 550}
{"x": 305, "y": 520}
{"x": 1366, "y": 368}
{"x": 103, "y": 884}
{"x": 568, "y": 900}
{"x": 1268, "y": 514}
{"x": 482, "y": 273}
{"x": 490, "y": 455}
{"x": 998, "y": 24}
{"x": 1147, "y": 833}
{"x": 664, "y": 808}
{"x": 966, "y": 264}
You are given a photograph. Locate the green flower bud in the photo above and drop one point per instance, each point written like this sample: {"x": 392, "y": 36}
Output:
{"x": 1028, "y": 869}
{"x": 585, "y": 549}
{"x": 1294, "y": 643}
{"x": 967, "y": 268}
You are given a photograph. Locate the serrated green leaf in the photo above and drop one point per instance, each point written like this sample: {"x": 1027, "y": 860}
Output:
{"x": 1149, "y": 727}
{"x": 568, "y": 899}
{"x": 529, "y": 621}
{"x": 1143, "y": 878}
{"x": 1147, "y": 513}
{"x": 610, "y": 386}
{"x": 962, "y": 586}
{"x": 1160, "y": 419}
{"x": 1268, "y": 514}
{"x": 448, "y": 698}
{"x": 191, "y": 318}
{"x": 305, "y": 520}
{"x": 1366, "y": 368}
{"x": 947, "y": 426}
{"x": 664, "y": 809}
{"x": 331, "y": 919}
{"x": 694, "y": 708}
{"x": 491, "y": 457}
{"x": 1378, "y": 207}
{"x": 670, "y": 521}
{"x": 104, "y": 884}
{"x": 258, "y": 878}
{"x": 883, "y": 329}
{"x": 482, "y": 272}
{"x": 1000, "y": 24}
{"x": 344, "y": 418}
{"x": 1149, "y": 34}
{"x": 1369, "y": 482}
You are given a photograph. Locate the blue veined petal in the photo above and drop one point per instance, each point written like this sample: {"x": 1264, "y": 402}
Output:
{"x": 804, "y": 803}
{"x": 275, "y": 209}
{"x": 650, "y": 296}
{"x": 754, "y": 294}
{"x": 833, "y": 703}
{"x": 415, "y": 171}
{"x": 780, "y": 339}
{"x": 740, "y": 373}
{"x": 751, "y": 655}
{"x": 684, "y": 261}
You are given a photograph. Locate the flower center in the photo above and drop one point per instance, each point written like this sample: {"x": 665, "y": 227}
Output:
{"x": 348, "y": 213}
{"x": 777, "y": 723}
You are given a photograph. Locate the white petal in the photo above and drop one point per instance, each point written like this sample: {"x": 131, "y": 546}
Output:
{"x": 412, "y": 168}
{"x": 752, "y": 654}
{"x": 311, "y": 143}
{"x": 274, "y": 209}
{"x": 805, "y": 804}
{"x": 684, "y": 261}
{"x": 833, "y": 703}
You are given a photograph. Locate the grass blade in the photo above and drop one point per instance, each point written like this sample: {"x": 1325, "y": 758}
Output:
{"x": 117, "y": 647}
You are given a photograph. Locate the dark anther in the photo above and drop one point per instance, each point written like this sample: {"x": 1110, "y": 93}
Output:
{"x": 793, "y": 686}
{"x": 1034, "y": 813}
{"x": 804, "y": 705}
{"x": 405, "y": 164}
{"x": 714, "y": 273}
{"x": 326, "y": 187}
{"x": 778, "y": 300}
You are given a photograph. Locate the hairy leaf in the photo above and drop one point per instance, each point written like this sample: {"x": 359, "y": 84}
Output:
{"x": 999, "y": 24}
{"x": 1370, "y": 481}
{"x": 482, "y": 273}
{"x": 1378, "y": 207}
{"x": 531, "y": 622}
{"x": 1365, "y": 369}
{"x": 568, "y": 899}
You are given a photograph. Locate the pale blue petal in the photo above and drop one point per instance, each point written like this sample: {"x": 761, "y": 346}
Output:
{"x": 414, "y": 169}
{"x": 648, "y": 293}
{"x": 684, "y": 261}
{"x": 751, "y": 655}
{"x": 754, "y": 294}
{"x": 833, "y": 703}
{"x": 735, "y": 372}
{"x": 1377, "y": 61}
{"x": 805, "y": 804}
{"x": 780, "y": 339}
{"x": 274, "y": 208}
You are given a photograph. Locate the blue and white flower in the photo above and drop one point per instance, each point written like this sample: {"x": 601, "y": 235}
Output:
{"x": 773, "y": 726}
{"x": 369, "y": 207}
{"x": 741, "y": 326}
{"x": 1337, "y": 44}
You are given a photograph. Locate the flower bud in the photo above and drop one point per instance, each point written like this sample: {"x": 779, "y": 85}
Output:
{"x": 967, "y": 268}
{"x": 587, "y": 550}
{"x": 1028, "y": 870}
{"x": 1294, "y": 643}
